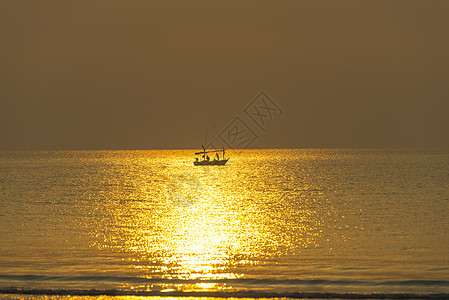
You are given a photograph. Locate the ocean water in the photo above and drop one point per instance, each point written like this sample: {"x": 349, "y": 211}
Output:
{"x": 293, "y": 223}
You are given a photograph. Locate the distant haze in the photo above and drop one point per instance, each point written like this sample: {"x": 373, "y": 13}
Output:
{"x": 152, "y": 75}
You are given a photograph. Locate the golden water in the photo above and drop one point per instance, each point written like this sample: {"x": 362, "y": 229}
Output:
{"x": 270, "y": 220}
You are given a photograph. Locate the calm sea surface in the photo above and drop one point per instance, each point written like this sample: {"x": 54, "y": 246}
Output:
{"x": 308, "y": 221}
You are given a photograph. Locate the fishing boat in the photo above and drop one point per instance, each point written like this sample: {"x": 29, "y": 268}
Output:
{"x": 204, "y": 159}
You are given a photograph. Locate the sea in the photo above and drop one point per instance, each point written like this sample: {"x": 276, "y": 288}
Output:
{"x": 271, "y": 223}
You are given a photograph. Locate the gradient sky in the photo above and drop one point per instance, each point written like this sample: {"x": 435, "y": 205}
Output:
{"x": 152, "y": 75}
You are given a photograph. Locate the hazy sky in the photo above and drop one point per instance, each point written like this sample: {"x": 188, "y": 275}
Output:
{"x": 149, "y": 75}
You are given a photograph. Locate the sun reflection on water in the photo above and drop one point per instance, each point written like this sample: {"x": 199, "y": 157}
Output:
{"x": 209, "y": 223}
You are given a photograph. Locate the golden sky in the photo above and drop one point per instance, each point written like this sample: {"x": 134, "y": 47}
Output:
{"x": 159, "y": 74}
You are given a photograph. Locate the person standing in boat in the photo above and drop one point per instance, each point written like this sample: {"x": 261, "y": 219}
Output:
{"x": 218, "y": 157}
{"x": 207, "y": 157}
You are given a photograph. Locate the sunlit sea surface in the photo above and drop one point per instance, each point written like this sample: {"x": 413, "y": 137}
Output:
{"x": 270, "y": 221}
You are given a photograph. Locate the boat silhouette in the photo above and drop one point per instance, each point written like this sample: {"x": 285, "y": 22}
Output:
{"x": 204, "y": 159}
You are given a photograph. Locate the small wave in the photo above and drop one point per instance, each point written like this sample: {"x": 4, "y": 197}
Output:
{"x": 220, "y": 294}
{"x": 254, "y": 282}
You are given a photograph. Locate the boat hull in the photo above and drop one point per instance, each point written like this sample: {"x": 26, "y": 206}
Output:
{"x": 211, "y": 162}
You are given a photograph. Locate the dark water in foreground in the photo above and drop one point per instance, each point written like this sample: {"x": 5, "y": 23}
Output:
{"x": 271, "y": 221}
